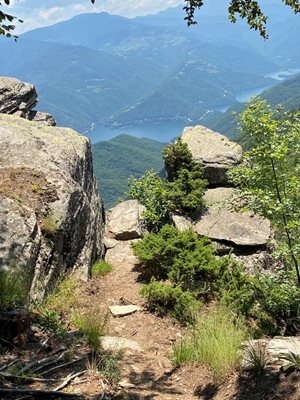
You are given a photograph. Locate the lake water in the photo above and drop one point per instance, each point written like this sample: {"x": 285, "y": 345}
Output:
{"x": 165, "y": 131}
{"x": 162, "y": 131}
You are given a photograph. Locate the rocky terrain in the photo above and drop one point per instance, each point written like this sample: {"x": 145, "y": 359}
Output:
{"x": 50, "y": 211}
{"x": 52, "y": 221}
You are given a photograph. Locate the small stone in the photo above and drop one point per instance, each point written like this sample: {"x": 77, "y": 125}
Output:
{"x": 119, "y": 343}
{"x": 120, "y": 311}
{"x": 126, "y": 385}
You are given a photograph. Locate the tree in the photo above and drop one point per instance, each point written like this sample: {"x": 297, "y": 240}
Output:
{"x": 248, "y": 9}
{"x": 270, "y": 175}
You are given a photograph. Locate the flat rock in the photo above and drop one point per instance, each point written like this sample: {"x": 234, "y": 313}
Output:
{"x": 240, "y": 228}
{"x": 181, "y": 222}
{"x": 214, "y": 151}
{"x": 121, "y": 254}
{"x": 119, "y": 343}
{"x": 279, "y": 345}
{"x": 124, "y": 222}
{"x": 120, "y": 311}
{"x": 219, "y": 196}
{"x": 273, "y": 348}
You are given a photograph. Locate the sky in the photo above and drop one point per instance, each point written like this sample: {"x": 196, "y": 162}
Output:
{"x": 36, "y": 13}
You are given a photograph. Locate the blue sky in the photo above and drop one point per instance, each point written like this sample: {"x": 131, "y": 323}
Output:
{"x": 37, "y": 13}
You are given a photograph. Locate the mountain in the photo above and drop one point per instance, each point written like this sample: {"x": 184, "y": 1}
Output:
{"x": 286, "y": 93}
{"x": 121, "y": 157}
{"x": 108, "y": 70}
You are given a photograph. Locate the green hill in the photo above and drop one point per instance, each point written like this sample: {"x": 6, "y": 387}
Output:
{"x": 121, "y": 157}
{"x": 286, "y": 93}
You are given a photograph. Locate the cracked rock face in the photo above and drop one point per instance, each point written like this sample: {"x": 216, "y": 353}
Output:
{"x": 214, "y": 151}
{"x": 51, "y": 216}
{"x": 19, "y": 98}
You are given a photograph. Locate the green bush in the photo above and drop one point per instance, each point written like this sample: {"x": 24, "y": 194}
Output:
{"x": 150, "y": 191}
{"x": 177, "y": 157}
{"x": 271, "y": 305}
{"x": 185, "y": 186}
{"x": 101, "y": 268}
{"x": 185, "y": 193}
{"x": 171, "y": 300}
{"x": 214, "y": 341}
{"x": 13, "y": 289}
{"x": 179, "y": 256}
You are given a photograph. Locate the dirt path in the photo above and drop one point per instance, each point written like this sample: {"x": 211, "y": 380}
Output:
{"x": 149, "y": 372}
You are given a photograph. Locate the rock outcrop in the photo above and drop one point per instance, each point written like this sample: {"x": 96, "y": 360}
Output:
{"x": 214, "y": 151}
{"x": 124, "y": 222}
{"x": 19, "y": 98}
{"x": 50, "y": 211}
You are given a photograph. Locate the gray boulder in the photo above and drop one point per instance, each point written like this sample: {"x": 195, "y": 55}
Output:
{"x": 50, "y": 212}
{"x": 16, "y": 97}
{"x": 214, "y": 151}
{"x": 240, "y": 228}
{"x": 19, "y": 98}
{"x": 124, "y": 222}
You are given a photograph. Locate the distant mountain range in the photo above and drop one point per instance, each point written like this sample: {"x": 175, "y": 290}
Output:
{"x": 114, "y": 71}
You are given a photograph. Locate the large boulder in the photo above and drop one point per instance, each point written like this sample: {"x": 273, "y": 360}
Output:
{"x": 51, "y": 215}
{"x": 16, "y": 96}
{"x": 240, "y": 228}
{"x": 19, "y": 98}
{"x": 214, "y": 151}
{"x": 124, "y": 222}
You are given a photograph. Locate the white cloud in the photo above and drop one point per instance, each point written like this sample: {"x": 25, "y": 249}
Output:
{"x": 48, "y": 13}
{"x": 37, "y": 13}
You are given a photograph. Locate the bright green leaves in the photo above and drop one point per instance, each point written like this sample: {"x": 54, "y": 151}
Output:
{"x": 270, "y": 175}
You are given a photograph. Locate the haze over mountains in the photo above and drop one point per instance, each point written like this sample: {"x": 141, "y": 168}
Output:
{"x": 109, "y": 70}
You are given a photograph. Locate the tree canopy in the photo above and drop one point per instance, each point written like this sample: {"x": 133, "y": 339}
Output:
{"x": 245, "y": 9}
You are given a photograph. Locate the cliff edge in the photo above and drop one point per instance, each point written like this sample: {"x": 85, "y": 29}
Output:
{"x": 51, "y": 215}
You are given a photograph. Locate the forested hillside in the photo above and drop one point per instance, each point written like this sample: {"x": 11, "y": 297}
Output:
{"x": 118, "y": 159}
{"x": 286, "y": 93}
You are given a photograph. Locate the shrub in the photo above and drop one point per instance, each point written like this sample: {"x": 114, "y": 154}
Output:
{"x": 215, "y": 342}
{"x": 185, "y": 193}
{"x": 101, "y": 268}
{"x": 177, "y": 156}
{"x": 186, "y": 186}
{"x": 171, "y": 300}
{"x": 179, "y": 256}
{"x": 271, "y": 305}
{"x": 13, "y": 289}
{"x": 150, "y": 191}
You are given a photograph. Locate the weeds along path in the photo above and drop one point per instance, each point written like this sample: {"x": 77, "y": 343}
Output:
{"x": 147, "y": 374}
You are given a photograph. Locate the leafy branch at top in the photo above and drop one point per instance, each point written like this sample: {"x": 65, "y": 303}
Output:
{"x": 249, "y": 9}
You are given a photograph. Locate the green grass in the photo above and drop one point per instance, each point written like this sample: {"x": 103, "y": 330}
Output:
{"x": 101, "y": 268}
{"x": 13, "y": 289}
{"x": 93, "y": 325}
{"x": 64, "y": 295}
{"x": 214, "y": 341}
